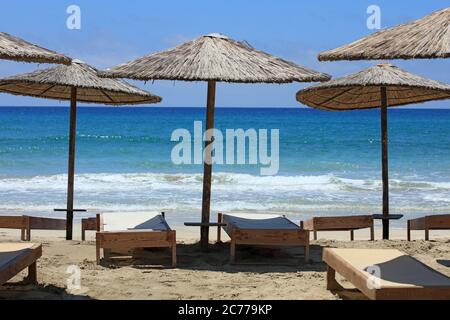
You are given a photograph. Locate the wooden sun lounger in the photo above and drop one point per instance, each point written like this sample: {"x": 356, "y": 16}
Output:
{"x": 441, "y": 222}
{"x": 267, "y": 231}
{"x": 15, "y": 257}
{"x": 139, "y": 237}
{"x": 348, "y": 223}
{"x": 26, "y": 224}
{"x": 89, "y": 224}
{"x": 393, "y": 274}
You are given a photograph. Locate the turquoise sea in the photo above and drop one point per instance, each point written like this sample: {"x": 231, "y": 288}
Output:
{"x": 329, "y": 162}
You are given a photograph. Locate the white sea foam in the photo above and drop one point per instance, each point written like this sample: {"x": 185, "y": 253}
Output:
{"x": 231, "y": 192}
{"x": 221, "y": 181}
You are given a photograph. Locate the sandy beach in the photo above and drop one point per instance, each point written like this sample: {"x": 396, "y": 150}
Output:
{"x": 263, "y": 274}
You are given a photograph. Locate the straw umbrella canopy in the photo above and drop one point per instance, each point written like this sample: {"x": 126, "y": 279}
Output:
{"x": 77, "y": 82}
{"x": 382, "y": 86}
{"x": 12, "y": 48}
{"x": 426, "y": 38}
{"x": 214, "y": 58}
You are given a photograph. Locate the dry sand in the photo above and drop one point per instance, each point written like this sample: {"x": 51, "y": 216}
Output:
{"x": 202, "y": 276}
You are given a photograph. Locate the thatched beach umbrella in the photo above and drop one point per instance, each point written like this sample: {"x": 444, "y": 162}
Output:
{"x": 426, "y": 38}
{"x": 382, "y": 86}
{"x": 12, "y": 48}
{"x": 77, "y": 82}
{"x": 214, "y": 58}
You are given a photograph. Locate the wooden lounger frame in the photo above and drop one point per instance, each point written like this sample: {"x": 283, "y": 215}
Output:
{"x": 348, "y": 223}
{"x": 133, "y": 239}
{"x": 89, "y": 224}
{"x": 264, "y": 238}
{"x": 27, "y": 259}
{"x": 440, "y": 222}
{"x": 338, "y": 265}
{"x": 26, "y": 224}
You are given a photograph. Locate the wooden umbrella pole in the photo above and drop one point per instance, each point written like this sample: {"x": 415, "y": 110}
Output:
{"x": 71, "y": 173}
{"x": 206, "y": 204}
{"x": 385, "y": 163}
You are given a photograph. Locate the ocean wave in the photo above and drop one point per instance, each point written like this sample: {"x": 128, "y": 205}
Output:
{"x": 232, "y": 182}
{"x": 231, "y": 192}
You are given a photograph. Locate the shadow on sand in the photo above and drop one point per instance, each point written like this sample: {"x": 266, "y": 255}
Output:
{"x": 249, "y": 259}
{"x": 190, "y": 257}
{"x": 22, "y": 291}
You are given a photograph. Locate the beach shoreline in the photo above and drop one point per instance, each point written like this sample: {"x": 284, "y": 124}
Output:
{"x": 199, "y": 275}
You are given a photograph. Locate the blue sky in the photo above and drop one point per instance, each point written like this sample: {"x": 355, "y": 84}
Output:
{"x": 113, "y": 32}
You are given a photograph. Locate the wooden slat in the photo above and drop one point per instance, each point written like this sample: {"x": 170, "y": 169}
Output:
{"x": 47, "y": 224}
{"x": 137, "y": 244}
{"x": 13, "y": 222}
{"x": 89, "y": 224}
{"x": 134, "y": 236}
{"x": 417, "y": 224}
{"x": 338, "y": 223}
{"x": 269, "y": 238}
{"x": 24, "y": 259}
{"x": 128, "y": 240}
{"x": 272, "y": 237}
{"x": 441, "y": 222}
{"x": 26, "y": 224}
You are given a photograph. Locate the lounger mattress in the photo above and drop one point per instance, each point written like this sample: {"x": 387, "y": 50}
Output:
{"x": 397, "y": 269}
{"x": 259, "y": 222}
{"x": 134, "y": 221}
